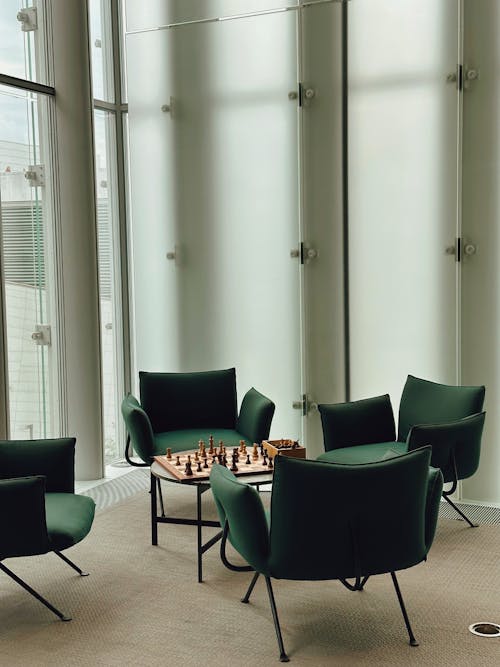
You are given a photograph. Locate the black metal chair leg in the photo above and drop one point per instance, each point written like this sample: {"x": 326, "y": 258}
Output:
{"x": 36, "y": 595}
{"x": 71, "y": 564}
{"x": 161, "y": 498}
{"x": 472, "y": 525}
{"x": 363, "y": 582}
{"x": 250, "y": 588}
{"x": 283, "y": 655}
{"x": 413, "y": 641}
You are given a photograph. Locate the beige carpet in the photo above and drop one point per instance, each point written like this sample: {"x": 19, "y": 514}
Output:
{"x": 142, "y": 605}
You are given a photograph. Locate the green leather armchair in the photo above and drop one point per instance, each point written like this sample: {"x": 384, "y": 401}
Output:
{"x": 40, "y": 511}
{"x": 448, "y": 418}
{"x": 179, "y": 409}
{"x": 347, "y": 522}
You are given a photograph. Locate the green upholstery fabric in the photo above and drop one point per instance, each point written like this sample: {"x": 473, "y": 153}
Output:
{"x": 38, "y": 510}
{"x": 176, "y": 401}
{"x": 446, "y": 417}
{"x": 180, "y": 409}
{"x": 460, "y": 439}
{"x": 23, "y": 530}
{"x": 139, "y": 428}
{"x": 333, "y": 521}
{"x": 256, "y": 414}
{"x": 379, "y": 451}
{"x": 425, "y": 402}
{"x": 241, "y": 506}
{"x": 55, "y": 459}
{"x": 69, "y": 518}
{"x": 357, "y": 423}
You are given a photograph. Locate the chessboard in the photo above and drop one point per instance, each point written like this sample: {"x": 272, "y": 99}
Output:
{"x": 196, "y": 464}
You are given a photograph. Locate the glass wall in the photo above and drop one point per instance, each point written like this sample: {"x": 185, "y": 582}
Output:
{"x": 107, "y": 160}
{"x": 403, "y": 129}
{"x": 214, "y": 192}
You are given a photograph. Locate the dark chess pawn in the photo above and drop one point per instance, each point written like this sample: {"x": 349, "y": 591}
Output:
{"x": 270, "y": 464}
{"x": 264, "y": 460}
{"x": 214, "y": 460}
{"x": 178, "y": 461}
{"x": 205, "y": 465}
{"x": 234, "y": 467}
{"x": 198, "y": 469}
{"x": 189, "y": 470}
{"x": 247, "y": 462}
{"x": 224, "y": 460}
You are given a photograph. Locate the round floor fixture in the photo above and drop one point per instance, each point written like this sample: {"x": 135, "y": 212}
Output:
{"x": 485, "y": 629}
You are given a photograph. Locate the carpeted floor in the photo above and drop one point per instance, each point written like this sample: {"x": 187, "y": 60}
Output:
{"x": 142, "y": 605}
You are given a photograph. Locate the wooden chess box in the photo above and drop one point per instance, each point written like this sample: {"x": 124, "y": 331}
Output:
{"x": 284, "y": 448}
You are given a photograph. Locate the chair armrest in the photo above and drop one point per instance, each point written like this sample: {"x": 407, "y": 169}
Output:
{"x": 23, "y": 528}
{"x": 455, "y": 445}
{"x": 239, "y": 505}
{"x": 139, "y": 429}
{"x": 54, "y": 459}
{"x": 433, "y": 499}
{"x": 256, "y": 415}
{"x": 357, "y": 423}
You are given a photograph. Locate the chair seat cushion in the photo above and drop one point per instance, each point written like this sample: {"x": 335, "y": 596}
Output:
{"x": 69, "y": 518}
{"x": 179, "y": 441}
{"x": 379, "y": 451}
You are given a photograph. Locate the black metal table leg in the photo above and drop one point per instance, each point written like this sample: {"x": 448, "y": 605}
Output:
{"x": 198, "y": 518}
{"x": 154, "y": 524}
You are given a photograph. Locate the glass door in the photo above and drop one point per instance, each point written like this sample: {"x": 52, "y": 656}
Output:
{"x": 214, "y": 192}
{"x": 27, "y": 265}
{"x": 403, "y": 124}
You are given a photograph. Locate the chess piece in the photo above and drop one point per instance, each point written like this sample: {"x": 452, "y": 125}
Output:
{"x": 255, "y": 454}
{"x": 196, "y": 456}
{"x": 234, "y": 467}
{"x": 242, "y": 445}
{"x": 169, "y": 453}
{"x": 198, "y": 468}
{"x": 211, "y": 444}
{"x": 189, "y": 470}
{"x": 264, "y": 459}
{"x": 205, "y": 465}
{"x": 224, "y": 460}
{"x": 270, "y": 464}
{"x": 178, "y": 461}
{"x": 248, "y": 462}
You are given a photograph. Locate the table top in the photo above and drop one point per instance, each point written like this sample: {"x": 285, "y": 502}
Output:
{"x": 159, "y": 471}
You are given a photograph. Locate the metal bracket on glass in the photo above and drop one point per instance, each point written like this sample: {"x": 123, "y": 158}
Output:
{"x": 28, "y": 19}
{"x": 305, "y": 405}
{"x": 42, "y": 334}
{"x": 470, "y": 76}
{"x": 35, "y": 174}
{"x": 168, "y": 108}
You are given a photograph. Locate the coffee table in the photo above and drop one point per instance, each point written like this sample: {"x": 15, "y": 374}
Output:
{"x": 159, "y": 474}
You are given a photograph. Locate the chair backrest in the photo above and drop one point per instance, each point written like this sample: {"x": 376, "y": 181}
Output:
{"x": 460, "y": 439}
{"x": 357, "y": 422}
{"x": 425, "y": 402}
{"x": 175, "y": 401}
{"x": 53, "y": 457}
{"x": 333, "y": 521}
{"x": 240, "y": 506}
{"x": 138, "y": 428}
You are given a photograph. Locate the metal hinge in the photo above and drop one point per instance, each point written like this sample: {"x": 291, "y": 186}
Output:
{"x": 457, "y": 77}
{"x": 305, "y": 405}
{"x": 304, "y": 93}
{"x": 28, "y": 19}
{"x": 35, "y": 174}
{"x": 42, "y": 334}
{"x": 304, "y": 252}
{"x": 455, "y": 249}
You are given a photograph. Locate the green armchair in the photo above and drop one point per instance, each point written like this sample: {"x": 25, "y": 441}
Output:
{"x": 347, "y": 522}
{"x": 40, "y": 510}
{"x": 179, "y": 409}
{"x": 448, "y": 418}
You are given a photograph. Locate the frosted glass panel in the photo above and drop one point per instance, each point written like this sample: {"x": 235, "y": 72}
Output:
{"x": 402, "y": 192}
{"x": 214, "y": 182}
